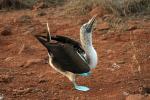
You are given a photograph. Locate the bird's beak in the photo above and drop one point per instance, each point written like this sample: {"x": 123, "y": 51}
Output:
{"x": 91, "y": 23}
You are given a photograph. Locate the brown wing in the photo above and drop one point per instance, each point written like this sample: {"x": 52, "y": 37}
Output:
{"x": 65, "y": 57}
{"x": 66, "y": 40}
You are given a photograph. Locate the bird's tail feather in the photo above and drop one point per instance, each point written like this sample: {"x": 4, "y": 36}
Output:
{"x": 44, "y": 39}
{"x": 48, "y": 34}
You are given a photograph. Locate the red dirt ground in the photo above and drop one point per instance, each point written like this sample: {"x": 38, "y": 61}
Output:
{"x": 123, "y": 68}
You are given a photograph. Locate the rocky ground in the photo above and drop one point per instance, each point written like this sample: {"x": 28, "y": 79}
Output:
{"x": 123, "y": 51}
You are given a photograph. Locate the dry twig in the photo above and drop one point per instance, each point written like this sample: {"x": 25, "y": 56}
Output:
{"x": 134, "y": 57}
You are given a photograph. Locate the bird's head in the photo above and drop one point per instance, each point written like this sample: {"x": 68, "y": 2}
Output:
{"x": 87, "y": 28}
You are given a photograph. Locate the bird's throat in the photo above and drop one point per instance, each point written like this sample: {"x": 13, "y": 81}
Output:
{"x": 86, "y": 40}
{"x": 91, "y": 55}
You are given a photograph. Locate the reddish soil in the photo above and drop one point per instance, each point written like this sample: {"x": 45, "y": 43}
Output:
{"x": 124, "y": 58}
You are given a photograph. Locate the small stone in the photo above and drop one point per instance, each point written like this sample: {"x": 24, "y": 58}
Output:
{"x": 100, "y": 89}
{"x": 125, "y": 93}
{"x": 120, "y": 62}
{"x": 43, "y": 80}
{"x": 131, "y": 27}
{"x": 5, "y": 78}
{"x": 104, "y": 38}
{"x": 144, "y": 90}
{"x": 114, "y": 65}
{"x": 6, "y": 31}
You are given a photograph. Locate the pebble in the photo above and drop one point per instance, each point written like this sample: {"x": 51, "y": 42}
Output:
{"x": 6, "y": 78}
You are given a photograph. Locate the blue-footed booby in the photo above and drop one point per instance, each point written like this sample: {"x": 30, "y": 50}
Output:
{"x": 68, "y": 56}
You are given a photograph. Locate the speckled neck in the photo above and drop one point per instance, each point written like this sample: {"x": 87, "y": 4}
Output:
{"x": 86, "y": 40}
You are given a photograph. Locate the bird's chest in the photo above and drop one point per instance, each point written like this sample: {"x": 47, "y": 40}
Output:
{"x": 91, "y": 56}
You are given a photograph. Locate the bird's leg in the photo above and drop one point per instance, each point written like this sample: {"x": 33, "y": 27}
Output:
{"x": 71, "y": 77}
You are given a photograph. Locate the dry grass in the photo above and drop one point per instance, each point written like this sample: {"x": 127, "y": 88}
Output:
{"x": 12, "y": 4}
{"x": 51, "y": 3}
{"x": 80, "y": 7}
{"x": 127, "y": 7}
{"x": 19, "y": 4}
{"x": 117, "y": 7}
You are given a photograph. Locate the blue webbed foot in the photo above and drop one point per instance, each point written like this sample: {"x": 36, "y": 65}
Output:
{"x": 85, "y": 74}
{"x": 82, "y": 88}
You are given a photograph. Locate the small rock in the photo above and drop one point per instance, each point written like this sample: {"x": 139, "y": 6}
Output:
{"x": 131, "y": 27}
{"x": 120, "y": 62}
{"x": 144, "y": 90}
{"x": 41, "y": 13}
{"x": 5, "y": 78}
{"x": 37, "y": 90}
{"x": 43, "y": 80}
{"x": 115, "y": 66}
{"x": 6, "y": 31}
{"x": 104, "y": 37}
{"x": 100, "y": 89}
{"x": 125, "y": 93}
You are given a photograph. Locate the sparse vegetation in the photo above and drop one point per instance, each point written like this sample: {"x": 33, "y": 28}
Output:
{"x": 54, "y": 2}
{"x": 19, "y": 4}
{"x": 12, "y": 4}
{"x": 117, "y": 7}
{"x": 127, "y": 7}
{"x": 79, "y": 6}
{"x": 50, "y": 3}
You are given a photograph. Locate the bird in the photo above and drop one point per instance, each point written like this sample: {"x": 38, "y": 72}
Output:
{"x": 69, "y": 57}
